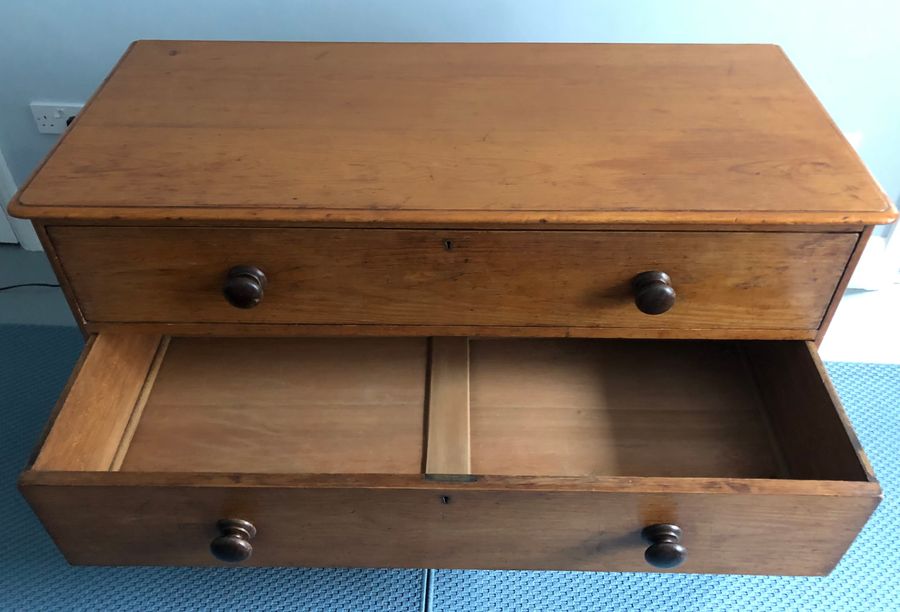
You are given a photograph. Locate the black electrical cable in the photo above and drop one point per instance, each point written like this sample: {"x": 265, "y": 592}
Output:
{"x": 6, "y": 288}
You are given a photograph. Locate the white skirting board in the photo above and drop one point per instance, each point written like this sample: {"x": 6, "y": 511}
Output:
{"x": 879, "y": 265}
{"x": 13, "y": 230}
{"x": 6, "y": 231}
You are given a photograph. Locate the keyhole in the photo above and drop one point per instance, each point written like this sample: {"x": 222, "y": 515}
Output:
{"x": 448, "y": 245}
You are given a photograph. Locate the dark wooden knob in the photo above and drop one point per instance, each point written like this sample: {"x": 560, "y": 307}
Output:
{"x": 244, "y": 286}
{"x": 233, "y": 543}
{"x": 665, "y": 551}
{"x": 653, "y": 292}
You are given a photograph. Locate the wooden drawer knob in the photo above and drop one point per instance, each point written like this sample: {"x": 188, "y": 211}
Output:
{"x": 244, "y": 286}
{"x": 653, "y": 292}
{"x": 233, "y": 543}
{"x": 664, "y": 551}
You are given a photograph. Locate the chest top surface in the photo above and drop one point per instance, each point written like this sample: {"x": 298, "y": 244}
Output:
{"x": 481, "y": 134}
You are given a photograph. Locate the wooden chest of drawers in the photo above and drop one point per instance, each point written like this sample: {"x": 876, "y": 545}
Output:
{"x": 453, "y": 305}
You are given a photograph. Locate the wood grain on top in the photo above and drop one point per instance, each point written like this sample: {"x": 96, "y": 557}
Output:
{"x": 488, "y": 134}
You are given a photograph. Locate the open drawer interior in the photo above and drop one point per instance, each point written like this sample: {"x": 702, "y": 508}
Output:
{"x": 451, "y": 407}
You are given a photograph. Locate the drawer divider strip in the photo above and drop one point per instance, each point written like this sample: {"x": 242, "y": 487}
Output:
{"x": 448, "y": 438}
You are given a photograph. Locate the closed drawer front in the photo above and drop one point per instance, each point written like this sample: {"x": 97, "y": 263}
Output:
{"x": 509, "y": 523}
{"x": 411, "y": 452}
{"x": 575, "y": 279}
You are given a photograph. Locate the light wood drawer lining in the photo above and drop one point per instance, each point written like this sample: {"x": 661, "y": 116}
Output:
{"x": 516, "y": 407}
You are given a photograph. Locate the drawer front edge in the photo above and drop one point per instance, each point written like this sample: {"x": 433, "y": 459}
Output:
{"x": 575, "y": 280}
{"x": 729, "y": 527}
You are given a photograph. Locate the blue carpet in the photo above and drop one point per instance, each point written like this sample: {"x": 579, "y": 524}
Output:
{"x": 36, "y": 362}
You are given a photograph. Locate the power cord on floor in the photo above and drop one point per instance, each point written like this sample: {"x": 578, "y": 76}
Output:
{"x": 8, "y": 287}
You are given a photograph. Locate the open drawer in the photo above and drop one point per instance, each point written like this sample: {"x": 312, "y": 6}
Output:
{"x": 452, "y": 453}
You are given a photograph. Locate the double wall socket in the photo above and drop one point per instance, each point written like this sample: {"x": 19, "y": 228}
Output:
{"x": 53, "y": 117}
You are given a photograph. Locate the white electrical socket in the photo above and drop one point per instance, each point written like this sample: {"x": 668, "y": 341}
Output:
{"x": 54, "y": 117}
